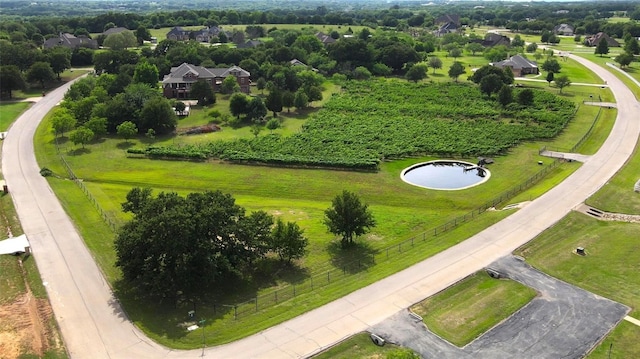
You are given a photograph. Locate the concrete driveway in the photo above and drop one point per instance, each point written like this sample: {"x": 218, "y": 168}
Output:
{"x": 563, "y": 321}
{"x": 94, "y": 326}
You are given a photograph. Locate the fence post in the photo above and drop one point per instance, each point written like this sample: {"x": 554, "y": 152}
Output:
{"x": 235, "y": 311}
{"x": 276, "y": 294}
{"x": 256, "y": 304}
{"x": 328, "y": 277}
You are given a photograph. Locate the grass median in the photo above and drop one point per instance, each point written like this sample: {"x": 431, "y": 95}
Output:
{"x": 472, "y": 306}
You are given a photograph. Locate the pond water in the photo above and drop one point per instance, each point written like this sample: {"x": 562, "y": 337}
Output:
{"x": 445, "y": 175}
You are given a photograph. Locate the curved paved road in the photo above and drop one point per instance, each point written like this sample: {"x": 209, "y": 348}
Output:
{"x": 94, "y": 326}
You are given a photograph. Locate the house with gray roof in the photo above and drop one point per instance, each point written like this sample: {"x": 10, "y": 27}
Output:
{"x": 594, "y": 40}
{"x": 177, "y": 84}
{"x": 178, "y": 34}
{"x": 70, "y": 41}
{"x": 519, "y": 65}
{"x": 563, "y": 29}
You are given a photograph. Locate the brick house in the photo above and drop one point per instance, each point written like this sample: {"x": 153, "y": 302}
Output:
{"x": 594, "y": 40}
{"x": 177, "y": 84}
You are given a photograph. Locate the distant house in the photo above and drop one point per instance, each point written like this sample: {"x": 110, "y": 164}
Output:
{"x": 324, "y": 38}
{"x": 206, "y": 34}
{"x": 114, "y": 30}
{"x": 178, "y": 34}
{"x": 492, "y": 39}
{"x": 70, "y": 41}
{"x": 563, "y": 29}
{"x": 249, "y": 44}
{"x": 594, "y": 40}
{"x": 447, "y": 28}
{"x": 296, "y": 62}
{"x": 445, "y": 19}
{"x": 519, "y": 65}
{"x": 177, "y": 84}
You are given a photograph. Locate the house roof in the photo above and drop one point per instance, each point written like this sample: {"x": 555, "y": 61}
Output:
{"x": 178, "y": 73}
{"x": 250, "y": 43}
{"x": 69, "y": 40}
{"x": 448, "y": 18}
{"x": 115, "y": 30}
{"x": 516, "y": 62}
{"x": 324, "y": 38}
{"x": 563, "y": 27}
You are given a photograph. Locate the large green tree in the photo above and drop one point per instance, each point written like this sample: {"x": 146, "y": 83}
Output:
{"x": 288, "y": 241}
{"x": 62, "y": 121}
{"x": 81, "y": 136}
{"x": 456, "y": 70}
{"x": 40, "y": 72}
{"x": 348, "y": 217}
{"x": 602, "y": 48}
{"x": 11, "y": 79}
{"x": 203, "y": 92}
{"x": 416, "y": 73}
{"x": 59, "y": 58}
{"x": 158, "y": 115}
{"x": 238, "y": 104}
{"x": 186, "y": 245}
{"x": 146, "y": 73}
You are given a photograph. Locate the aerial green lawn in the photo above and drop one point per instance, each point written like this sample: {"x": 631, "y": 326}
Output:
{"x": 464, "y": 311}
{"x": 9, "y": 112}
{"x": 359, "y": 346}
{"x": 403, "y": 213}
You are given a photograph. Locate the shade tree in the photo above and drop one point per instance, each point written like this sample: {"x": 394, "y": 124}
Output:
{"x": 348, "y": 217}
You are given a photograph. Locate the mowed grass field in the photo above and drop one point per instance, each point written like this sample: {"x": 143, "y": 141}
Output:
{"x": 300, "y": 195}
{"x": 464, "y": 311}
{"x": 9, "y": 111}
{"x": 402, "y": 211}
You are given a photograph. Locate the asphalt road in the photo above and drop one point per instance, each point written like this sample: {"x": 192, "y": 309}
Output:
{"x": 94, "y": 326}
{"x": 563, "y": 321}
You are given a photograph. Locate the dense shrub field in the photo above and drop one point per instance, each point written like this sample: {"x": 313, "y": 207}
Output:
{"x": 373, "y": 120}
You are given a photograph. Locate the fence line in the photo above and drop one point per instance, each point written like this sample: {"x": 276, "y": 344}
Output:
{"x": 105, "y": 217}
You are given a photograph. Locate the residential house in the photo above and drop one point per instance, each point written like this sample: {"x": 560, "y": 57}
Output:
{"x": 206, "y": 34}
{"x": 324, "y": 38}
{"x": 114, "y": 30}
{"x": 445, "y": 19}
{"x": 519, "y": 65}
{"x": 178, "y": 34}
{"x": 594, "y": 40}
{"x": 447, "y": 28}
{"x": 70, "y": 41}
{"x": 563, "y": 29}
{"x": 249, "y": 44}
{"x": 296, "y": 62}
{"x": 177, "y": 84}
{"x": 492, "y": 39}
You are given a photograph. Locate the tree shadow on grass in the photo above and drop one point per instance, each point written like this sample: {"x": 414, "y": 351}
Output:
{"x": 62, "y": 140}
{"x": 125, "y": 145}
{"x": 164, "y": 317}
{"x": 353, "y": 259}
{"x": 270, "y": 271}
{"x": 78, "y": 151}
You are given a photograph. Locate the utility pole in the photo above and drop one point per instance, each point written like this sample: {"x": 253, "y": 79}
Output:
{"x": 201, "y": 322}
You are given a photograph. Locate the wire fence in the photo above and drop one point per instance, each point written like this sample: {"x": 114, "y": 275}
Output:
{"x": 327, "y": 274}
{"x": 105, "y": 216}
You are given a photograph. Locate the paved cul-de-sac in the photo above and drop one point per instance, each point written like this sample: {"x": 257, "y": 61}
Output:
{"x": 563, "y": 321}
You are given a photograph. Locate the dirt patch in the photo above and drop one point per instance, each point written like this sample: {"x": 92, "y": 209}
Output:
{"x": 26, "y": 327}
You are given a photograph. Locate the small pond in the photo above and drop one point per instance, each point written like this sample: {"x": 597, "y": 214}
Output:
{"x": 445, "y": 175}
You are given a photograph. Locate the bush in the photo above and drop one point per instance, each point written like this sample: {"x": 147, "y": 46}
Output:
{"x": 45, "y": 172}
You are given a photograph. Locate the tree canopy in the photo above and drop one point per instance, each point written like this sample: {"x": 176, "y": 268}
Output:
{"x": 176, "y": 244}
{"x": 348, "y": 217}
